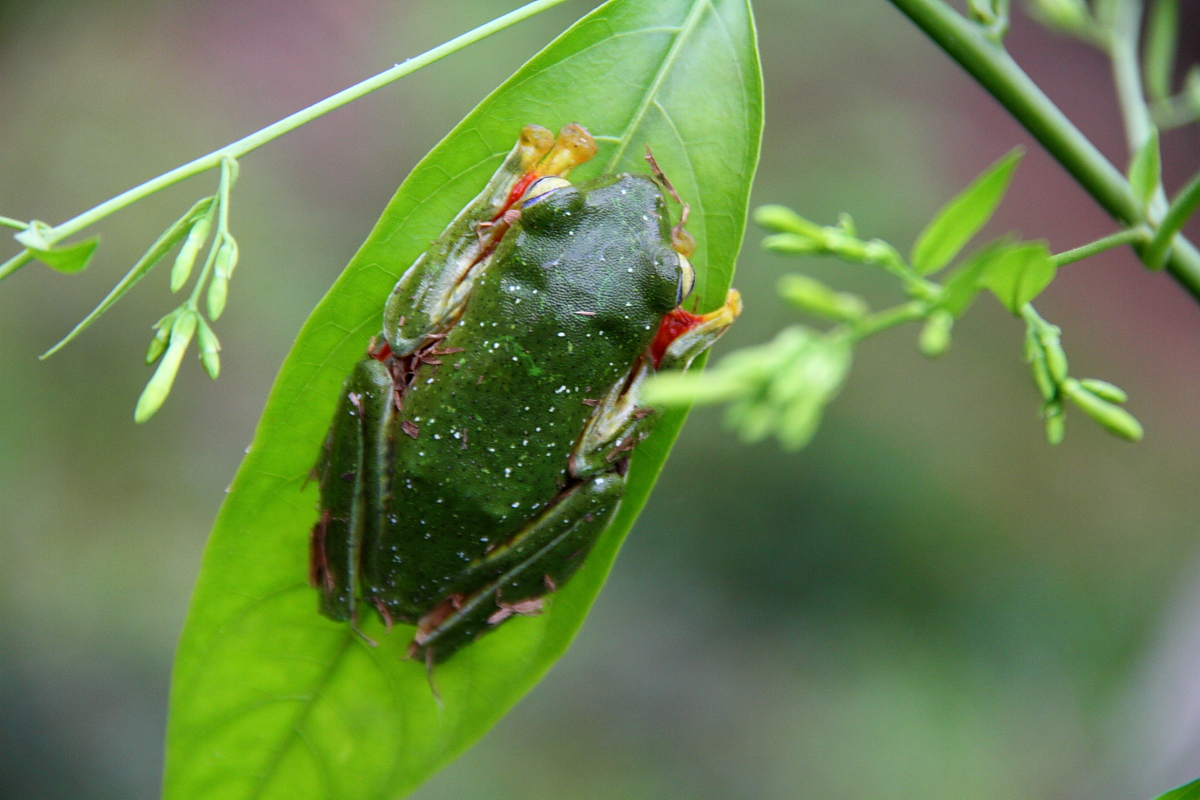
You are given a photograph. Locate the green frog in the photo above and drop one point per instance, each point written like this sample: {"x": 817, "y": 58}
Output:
{"x": 480, "y": 447}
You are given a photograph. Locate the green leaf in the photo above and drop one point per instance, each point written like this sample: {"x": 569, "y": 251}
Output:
{"x": 966, "y": 282}
{"x": 160, "y": 248}
{"x": 963, "y": 216}
{"x": 1189, "y": 791}
{"x": 1145, "y": 170}
{"x": 1019, "y": 273}
{"x": 271, "y": 700}
{"x": 67, "y": 260}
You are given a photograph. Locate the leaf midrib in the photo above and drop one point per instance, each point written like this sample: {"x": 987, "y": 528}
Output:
{"x": 651, "y": 94}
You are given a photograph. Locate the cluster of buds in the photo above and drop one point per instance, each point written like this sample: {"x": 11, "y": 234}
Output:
{"x": 1098, "y": 399}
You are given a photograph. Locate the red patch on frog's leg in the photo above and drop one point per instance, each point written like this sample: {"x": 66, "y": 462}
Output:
{"x": 384, "y": 351}
{"x": 523, "y": 183}
{"x": 677, "y": 322}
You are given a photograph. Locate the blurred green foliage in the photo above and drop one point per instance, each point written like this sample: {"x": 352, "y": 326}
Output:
{"x": 927, "y": 602}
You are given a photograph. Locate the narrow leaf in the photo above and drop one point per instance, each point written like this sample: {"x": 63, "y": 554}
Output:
{"x": 67, "y": 260}
{"x": 270, "y": 699}
{"x": 963, "y": 216}
{"x": 160, "y": 248}
{"x": 1019, "y": 274}
{"x": 1145, "y": 170}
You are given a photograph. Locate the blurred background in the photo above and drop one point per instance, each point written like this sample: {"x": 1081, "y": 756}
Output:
{"x": 928, "y": 602}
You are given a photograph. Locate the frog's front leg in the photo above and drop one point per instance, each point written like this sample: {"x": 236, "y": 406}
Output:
{"x": 514, "y": 576}
{"x": 354, "y": 481}
{"x": 433, "y": 290}
{"x": 619, "y": 421}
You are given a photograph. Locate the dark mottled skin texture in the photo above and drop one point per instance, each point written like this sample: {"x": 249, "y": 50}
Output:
{"x": 572, "y": 251}
{"x": 436, "y": 524}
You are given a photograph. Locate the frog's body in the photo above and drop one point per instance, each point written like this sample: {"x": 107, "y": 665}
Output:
{"x": 468, "y": 475}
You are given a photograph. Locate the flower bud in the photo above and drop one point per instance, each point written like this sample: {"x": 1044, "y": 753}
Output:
{"x": 816, "y": 298}
{"x": 792, "y": 244}
{"x": 1113, "y": 417}
{"x": 1068, "y": 15}
{"x": 218, "y": 291}
{"x": 227, "y": 258}
{"x": 783, "y": 220}
{"x": 1056, "y": 357}
{"x": 1104, "y": 390}
{"x": 156, "y": 391}
{"x": 196, "y": 238}
{"x": 162, "y": 335}
{"x": 209, "y": 346}
{"x": 935, "y": 336}
{"x": 1056, "y": 419}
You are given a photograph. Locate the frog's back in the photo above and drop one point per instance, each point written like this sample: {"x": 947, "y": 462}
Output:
{"x": 571, "y": 299}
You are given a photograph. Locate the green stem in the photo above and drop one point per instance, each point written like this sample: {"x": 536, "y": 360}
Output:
{"x": 1129, "y": 236}
{"x": 1182, "y": 208}
{"x": 888, "y": 318}
{"x": 1127, "y": 79}
{"x": 997, "y": 72}
{"x": 15, "y": 263}
{"x": 1127, "y": 75}
{"x": 9, "y": 222}
{"x": 287, "y": 124}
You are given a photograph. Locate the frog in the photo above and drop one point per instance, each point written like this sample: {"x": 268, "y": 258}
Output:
{"x": 480, "y": 446}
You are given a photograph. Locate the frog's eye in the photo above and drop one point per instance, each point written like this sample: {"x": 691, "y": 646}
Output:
{"x": 687, "y": 279}
{"x": 542, "y": 187}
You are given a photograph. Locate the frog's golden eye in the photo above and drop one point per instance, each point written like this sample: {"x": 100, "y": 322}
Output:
{"x": 687, "y": 279}
{"x": 542, "y": 187}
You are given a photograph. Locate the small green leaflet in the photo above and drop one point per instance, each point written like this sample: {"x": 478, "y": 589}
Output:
{"x": 1018, "y": 273}
{"x": 1145, "y": 170}
{"x": 964, "y": 283}
{"x": 67, "y": 260}
{"x": 963, "y": 216}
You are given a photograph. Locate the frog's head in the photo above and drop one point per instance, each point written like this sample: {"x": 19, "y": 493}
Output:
{"x": 616, "y": 230}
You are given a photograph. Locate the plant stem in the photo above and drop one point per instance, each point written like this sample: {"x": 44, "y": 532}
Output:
{"x": 9, "y": 222}
{"x": 15, "y": 263}
{"x": 271, "y": 132}
{"x": 1127, "y": 79}
{"x": 888, "y": 318}
{"x": 1127, "y": 76}
{"x": 1184, "y": 205}
{"x": 997, "y": 72}
{"x": 1128, "y": 236}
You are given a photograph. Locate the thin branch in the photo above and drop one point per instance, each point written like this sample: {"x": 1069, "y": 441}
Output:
{"x": 997, "y": 72}
{"x": 287, "y": 124}
{"x": 1130, "y": 236}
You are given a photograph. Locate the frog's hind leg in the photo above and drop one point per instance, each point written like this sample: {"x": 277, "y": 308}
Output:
{"x": 535, "y": 562}
{"x": 353, "y": 476}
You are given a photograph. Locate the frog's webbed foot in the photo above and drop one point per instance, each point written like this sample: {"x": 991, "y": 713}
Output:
{"x": 516, "y": 575}
{"x": 352, "y": 472}
{"x": 432, "y": 292}
{"x": 683, "y": 335}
